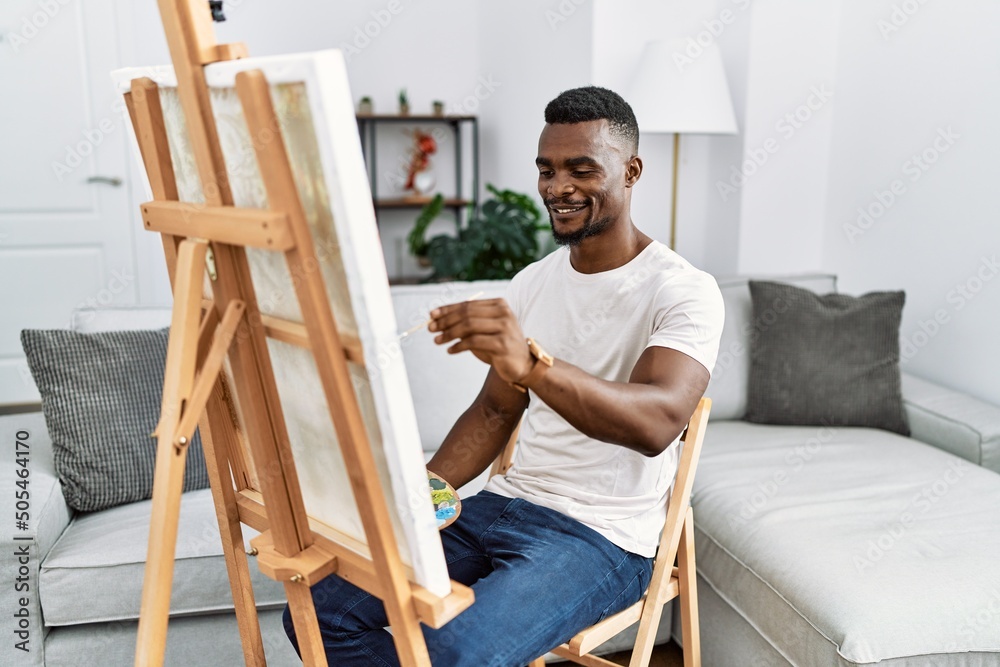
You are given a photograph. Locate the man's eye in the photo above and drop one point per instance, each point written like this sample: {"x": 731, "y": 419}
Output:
{"x": 546, "y": 174}
{"x": 582, "y": 174}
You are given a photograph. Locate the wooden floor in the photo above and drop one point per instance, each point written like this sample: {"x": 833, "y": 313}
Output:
{"x": 666, "y": 655}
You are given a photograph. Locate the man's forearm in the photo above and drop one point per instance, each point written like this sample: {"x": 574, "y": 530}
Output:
{"x": 473, "y": 443}
{"x": 642, "y": 417}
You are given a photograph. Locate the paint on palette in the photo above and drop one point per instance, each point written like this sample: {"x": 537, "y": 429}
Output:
{"x": 447, "y": 505}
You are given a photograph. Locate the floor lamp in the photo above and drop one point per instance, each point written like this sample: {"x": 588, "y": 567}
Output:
{"x": 680, "y": 87}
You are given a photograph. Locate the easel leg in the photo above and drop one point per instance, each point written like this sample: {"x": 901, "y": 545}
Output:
{"x": 303, "y": 611}
{"x": 168, "y": 482}
{"x": 214, "y": 444}
{"x": 688, "y": 581}
{"x": 168, "y": 478}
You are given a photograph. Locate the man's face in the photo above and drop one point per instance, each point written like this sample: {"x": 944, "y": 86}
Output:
{"x": 582, "y": 178}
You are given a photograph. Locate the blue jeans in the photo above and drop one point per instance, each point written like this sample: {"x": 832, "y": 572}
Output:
{"x": 539, "y": 577}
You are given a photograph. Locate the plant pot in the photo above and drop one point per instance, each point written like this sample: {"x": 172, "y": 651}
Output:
{"x": 366, "y": 108}
{"x": 438, "y": 108}
{"x": 423, "y": 261}
{"x": 404, "y": 109}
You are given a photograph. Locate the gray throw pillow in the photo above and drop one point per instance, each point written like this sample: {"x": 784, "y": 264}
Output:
{"x": 101, "y": 399}
{"x": 830, "y": 360}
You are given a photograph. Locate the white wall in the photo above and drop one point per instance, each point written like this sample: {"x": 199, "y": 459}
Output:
{"x": 787, "y": 132}
{"x": 895, "y": 93}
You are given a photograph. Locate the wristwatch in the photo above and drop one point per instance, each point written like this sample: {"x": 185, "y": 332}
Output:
{"x": 543, "y": 362}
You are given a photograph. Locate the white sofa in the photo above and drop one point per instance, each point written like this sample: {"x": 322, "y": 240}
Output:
{"x": 823, "y": 546}
{"x": 780, "y": 513}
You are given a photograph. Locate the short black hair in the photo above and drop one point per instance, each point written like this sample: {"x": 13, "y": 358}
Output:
{"x": 580, "y": 105}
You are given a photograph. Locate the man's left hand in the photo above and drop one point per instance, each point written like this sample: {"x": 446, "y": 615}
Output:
{"x": 489, "y": 330}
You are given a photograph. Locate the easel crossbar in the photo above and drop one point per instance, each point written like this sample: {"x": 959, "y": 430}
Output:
{"x": 352, "y": 565}
{"x": 210, "y": 369}
{"x": 250, "y": 227}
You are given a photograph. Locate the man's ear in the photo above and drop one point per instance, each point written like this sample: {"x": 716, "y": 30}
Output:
{"x": 633, "y": 170}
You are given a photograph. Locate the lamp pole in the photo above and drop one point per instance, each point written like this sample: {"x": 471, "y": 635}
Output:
{"x": 690, "y": 100}
{"x": 673, "y": 192}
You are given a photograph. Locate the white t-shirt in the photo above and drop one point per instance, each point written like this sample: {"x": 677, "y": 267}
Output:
{"x": 602, "y": 322}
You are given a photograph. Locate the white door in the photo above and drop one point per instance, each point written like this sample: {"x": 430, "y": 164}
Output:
{"x": 66, "y": 237}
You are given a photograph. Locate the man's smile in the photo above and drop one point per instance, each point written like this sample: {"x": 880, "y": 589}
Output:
{"x": 566, "y": 209}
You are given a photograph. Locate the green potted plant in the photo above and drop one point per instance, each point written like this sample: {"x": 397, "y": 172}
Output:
{"x": 404, "y": 103}
{"x": 365, "y": 106}
{"x": 438, "y": 107}
{"x": 497, "y": 241}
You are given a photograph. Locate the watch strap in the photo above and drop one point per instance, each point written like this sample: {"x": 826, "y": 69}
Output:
{"x": 537, "y": 371}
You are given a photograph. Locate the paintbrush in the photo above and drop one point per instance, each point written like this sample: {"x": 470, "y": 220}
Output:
{"x": 420, "y": 326}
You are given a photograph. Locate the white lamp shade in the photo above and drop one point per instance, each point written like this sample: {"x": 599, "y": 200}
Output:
{"x": 680, "y": 88}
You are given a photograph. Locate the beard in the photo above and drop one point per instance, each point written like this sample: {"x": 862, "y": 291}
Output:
{"x": 590, "y": 228}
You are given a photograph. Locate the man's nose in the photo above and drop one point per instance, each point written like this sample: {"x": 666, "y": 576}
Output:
{"x": 561, "y": 186}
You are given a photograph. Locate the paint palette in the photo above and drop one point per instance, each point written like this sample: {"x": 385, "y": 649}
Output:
{"x": 447, "y": 505}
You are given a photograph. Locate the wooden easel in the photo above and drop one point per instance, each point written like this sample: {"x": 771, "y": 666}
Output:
{"x": 263, "y": 494}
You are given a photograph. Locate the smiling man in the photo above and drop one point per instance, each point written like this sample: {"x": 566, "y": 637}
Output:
{"x": 605, "y": 347}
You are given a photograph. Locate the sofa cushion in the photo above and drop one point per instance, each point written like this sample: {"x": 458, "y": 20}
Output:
{"x": 101, "y": 398}
{"x": 825, "y": 360}
{"x": 728, "y": 386}
{"x": 849, "y": 545}
{"x": 442, "y": 385}
{"x": 94, "y": 572}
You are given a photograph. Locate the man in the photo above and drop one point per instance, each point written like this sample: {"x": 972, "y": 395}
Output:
{"x": 567, "y": 536}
